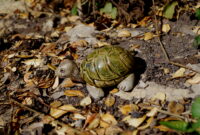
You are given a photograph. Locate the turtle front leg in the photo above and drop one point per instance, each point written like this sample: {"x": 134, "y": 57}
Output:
{"x": 127, "y": 84}
{"x": 95, "y": 92}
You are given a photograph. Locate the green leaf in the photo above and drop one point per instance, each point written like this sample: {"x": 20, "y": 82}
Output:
{"x": 196, "y": 104}
{"x": 196, "y": 126}
{"x": 197, "y": 13}
{"x": 196, "y": 43}
{"x": 74, "y": 10}
{"x": 169, "y": 10}
{"x": 176, "y": 125}
{"x": 114, "y": 13}
{"x": 109, "y": 10}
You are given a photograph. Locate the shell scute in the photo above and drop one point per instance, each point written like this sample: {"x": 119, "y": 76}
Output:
{"x": 106, "y": 66}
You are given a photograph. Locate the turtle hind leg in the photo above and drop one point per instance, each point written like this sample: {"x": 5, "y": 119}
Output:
{"x": 127, "y": 84}
{"x": 95, "y": 92}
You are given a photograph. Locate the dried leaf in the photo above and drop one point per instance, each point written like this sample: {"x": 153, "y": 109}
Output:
{"x": 113, "y": 130}
{"x": 163, "y": 128}
{"x": 148, "y": 36}
{"x": 144, "y": 21}
{"x": 175, "y": 107}
{"x": 114, "y": 91}
{"x": 27, "y": 77}
{"x": 34, "y": 62}
{"x": 67, "y": 28}
{"x": 153, "y": 112}
{"x": 67, "y": 83}
{"x": 55, "y": 104}
{"x": 124, "y": 33}
{"x": 126, "y": 109}
{"x": 73, "y": 18}
{"x": 79, "y": 116}
{"x": 89, "y": 119}
{"x": 55, "y": 34}
{"x": 165, "y": 28}
{"x": 101, "y": 44}
{"x": 74, "y": 93}
{"x": 48, "y": 48}
{"x": 110, "y": 100}
{"x": 79, "y": 43}
{"x": 27, "y": 101}
{"x": 194, "y": 80}
{"x": 179, "y": 73}
{"x": 133, "y": 25}
{"x": 149, "y": 121}
{"x": 86, "y": 101}
{"x": 44, "y": 81}
{"x": 196, "y": 30}
{"x": 56, "y": 113}
{"x": 107, "y": 120}
{"x": 135, "y": 132}
{"x": 56, "y": 83}
{"x": 100, "y": 131}
{"x": 166, "y": 70}
{"x": 135, "y": 122}
{"x": 94, "y": 123}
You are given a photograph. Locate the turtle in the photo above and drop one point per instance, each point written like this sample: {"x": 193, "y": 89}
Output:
{"x": 105, "y": 67}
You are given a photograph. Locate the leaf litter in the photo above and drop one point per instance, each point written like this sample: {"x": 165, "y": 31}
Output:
{"x": 36, "y": 94}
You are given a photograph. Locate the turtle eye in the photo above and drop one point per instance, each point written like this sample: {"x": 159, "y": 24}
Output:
{"x": 62, "y": 70}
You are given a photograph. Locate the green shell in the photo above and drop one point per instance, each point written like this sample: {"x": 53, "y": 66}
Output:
{"x": 106, "y": 66}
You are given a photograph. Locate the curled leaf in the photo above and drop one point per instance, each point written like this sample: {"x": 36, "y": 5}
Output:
{"x": 56, "y": 113}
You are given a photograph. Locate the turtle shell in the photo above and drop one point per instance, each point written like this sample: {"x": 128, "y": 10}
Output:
{"x": 106, "y": 66}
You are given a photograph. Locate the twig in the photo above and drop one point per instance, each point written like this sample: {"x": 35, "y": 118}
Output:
{"x": 162, "y": 46}
{"x": 122, "y": 10}
{"x": 94, "y": 8}
{"x": 42, "y": 115}
{"x": 175, "y": 115}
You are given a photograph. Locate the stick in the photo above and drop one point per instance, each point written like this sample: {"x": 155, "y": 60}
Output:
{"x": 162, "y": 46}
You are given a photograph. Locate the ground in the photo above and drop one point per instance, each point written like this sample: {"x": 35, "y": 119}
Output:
{"x": 36, "y": 37}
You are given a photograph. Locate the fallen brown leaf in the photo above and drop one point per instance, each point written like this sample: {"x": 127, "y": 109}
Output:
{"x": 194, "y": 80}
{"x": 124, "y": 33}
{"x": 109, "y": 101}
{"x": 89, "y": 119}
{"x": 114, "y": 91}
{"x": 126, "y": 109}
{"x": 86, "y": 101}
{"x": 135, "y": 122}
{"x": 107, "y": 120}
{"x": 149, "y": 121}
{"x": 175, "y": 107}
{"x": 165, "y": 28}
{"x": 74, "y": 93}
{"x": 56, "y": 113}
{"x": 67, "y": 83}
{"x": 94, "y": 123}
{"x": 148, "y": 36}
{"x": 179, "y": 73}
